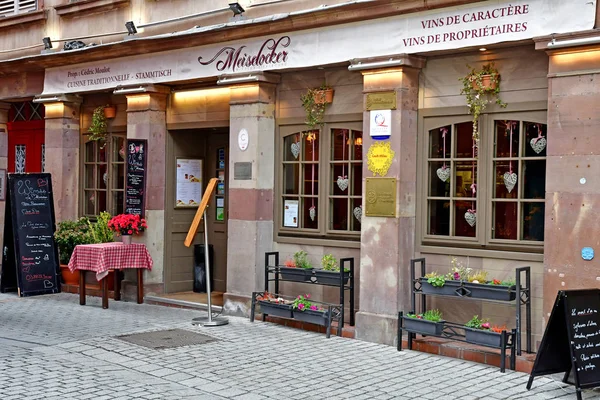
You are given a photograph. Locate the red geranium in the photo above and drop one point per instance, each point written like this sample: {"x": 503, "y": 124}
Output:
{"x": 127, "y": 224}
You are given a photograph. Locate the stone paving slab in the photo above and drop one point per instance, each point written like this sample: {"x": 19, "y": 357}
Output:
{"x": 53, "y": 348}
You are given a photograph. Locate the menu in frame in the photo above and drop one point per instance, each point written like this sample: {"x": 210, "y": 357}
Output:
{"x": 135, "y": 186}
{"x": 188, "y": 182}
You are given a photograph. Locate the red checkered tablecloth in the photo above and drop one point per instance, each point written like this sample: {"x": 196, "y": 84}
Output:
{"x": 103, "y": 257}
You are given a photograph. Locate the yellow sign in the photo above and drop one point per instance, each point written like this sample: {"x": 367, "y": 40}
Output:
{"x": 381, "y": 197}
{"x": 381, "y": 101}
{"x": 379, "y": 158}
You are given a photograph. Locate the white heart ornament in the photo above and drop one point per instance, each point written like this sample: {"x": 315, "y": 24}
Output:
{"x": 358, "y": 213}
{"x": 471, "y": 218}
{"x": 312, "y": 212}
{"x": 443, "y": 173}
{"x": 510, "y": 180}
{"x": 296, "y": 149}
{"x": 342, "y": 183}
{"x": 538, "y": 144}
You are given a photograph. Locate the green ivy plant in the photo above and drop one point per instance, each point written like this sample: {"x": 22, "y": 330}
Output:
{"x": 435, "y": 279}
{"x": 429, "y": 315}
{"x": 329, "y": 263}
{"x": 98, "y": 126}
{"x": 478, "y": 96}
{"x": 301, "y": 260}
{"x": 314, "y": 110}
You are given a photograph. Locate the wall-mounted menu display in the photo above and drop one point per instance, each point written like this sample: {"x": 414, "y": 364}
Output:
{"x": 135, "y": 188}
{"x": 30, "y": 257}
{"x": 189, "y": 182}
{"x": 571, "y": 342}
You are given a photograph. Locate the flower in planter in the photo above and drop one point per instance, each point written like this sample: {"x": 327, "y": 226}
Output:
{"x": 458, "y": 272}
{"x": 429, "y": 315}
{"x": 435, "y": 279}
{"x": 266, "y": 296}
{"x": 478, "y": 277}
{"x": 127, "y": 224}
{"x": 301, "y": 260}
{"x": 477, "y": 323}
{"x": 290, "y": 264}
{"x": 498, "y": 329}
{"x": 302, "y": 303}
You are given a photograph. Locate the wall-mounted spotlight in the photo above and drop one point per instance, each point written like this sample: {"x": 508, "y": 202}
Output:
{"x": 130, "y": 90}
{"x": 47, "y": 43}
{"x": 131, "y": 30}
{"x": 224, "y": 80}
{"x": 236, "y": 8}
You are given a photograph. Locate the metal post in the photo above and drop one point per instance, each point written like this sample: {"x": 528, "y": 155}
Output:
{"x": 209, "y": 321}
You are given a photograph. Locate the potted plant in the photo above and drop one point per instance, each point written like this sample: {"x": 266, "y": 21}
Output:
{"x": 479, "y": 331}
{"x": 428, "y": 323}
{"x": 277, "y": 306}
{"x": 478, "y": 87}
{"x": 306, "y": 311}
{"x": 314, "y": 102}
{"x": 98, "y": 126}
{"x": 127, "y": 225}
{"x": 299, "y": 269}
{"x": 330, "y": 272}
{"x": 110, "y": 111}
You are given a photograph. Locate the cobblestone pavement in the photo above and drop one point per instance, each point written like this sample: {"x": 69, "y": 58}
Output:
{"x": 53, "y": 348}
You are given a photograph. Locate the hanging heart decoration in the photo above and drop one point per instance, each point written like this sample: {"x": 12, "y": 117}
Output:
{"x": 296, "y": 149}
{"x": 538, "y": 144}
{"x": 312, "y": 212}
{"x": 342, "y": 182}
{"x": 358, "y": 213}
{"x": 105, "y": 178}
{"x": 443, "y": 173}
{"x": 471, "y": 217}
{"x": 510, "y": 180}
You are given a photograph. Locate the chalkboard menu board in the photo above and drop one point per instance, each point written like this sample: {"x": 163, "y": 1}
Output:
{"x": 30, "y": 257}
{"x": 571, "y": 342}
{"x": 135, "y": 189}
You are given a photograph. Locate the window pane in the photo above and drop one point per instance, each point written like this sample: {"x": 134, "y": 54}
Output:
{"x": 461, "y": 225}
{"x": 338, "y": 212}
{"x": 291, "y": 178}
{"x": 356, "y": 215}
{"x": 101, "y": 179}
{"x": 464, "y": 140}
{"x": 89, "y": 152}
{"x": 101, "y": 152}
{"x": 357, "y": 149}
{"x": 117, "y": 203}
{"x": 118, "y": 176}
{"x": 505, "y": 180}
{"x": 118, "y": 149}
{"x": 439, "y": 217}
{"x": 505, "y": 220}
{"x": 437, "y": 172}
{"x": 356, "y": 176}
{"x": 340, "y": 146}
{"x": 534, "y": 179}
{"x": 90, "y": 202}
{"x": 307, "y": 204}
{"x": 89, "y": 176}
{"x": 101, "y": 200}
{"x": 438, "y": 139}
{"x": 311, "y": 146}
{"x": 535, "y": 139}
{"x": 464, "y": 177}
{"x": 292, "y": 147}
{"x": 311, "y": 179}
{"x": 533, "y": 221}
{"x": 502, "y": 143}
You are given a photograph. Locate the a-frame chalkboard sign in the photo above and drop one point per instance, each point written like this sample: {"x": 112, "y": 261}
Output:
{"x": 571, "y": 342}
{"x": 30, "y": 257}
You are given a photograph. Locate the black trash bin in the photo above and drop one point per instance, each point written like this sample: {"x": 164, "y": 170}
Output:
{"x": 200, "y": 268}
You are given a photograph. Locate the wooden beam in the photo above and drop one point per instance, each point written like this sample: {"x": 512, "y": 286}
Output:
{"x": 189, "y": 239}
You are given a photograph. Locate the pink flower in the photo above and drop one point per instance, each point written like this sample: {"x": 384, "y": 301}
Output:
{"x": 485, "y": 325}
{"x": 307, "y": 296}
{"x": 456, "y": 276}
{"x": 300, "y": 307}
{"x": 314, "y": 308}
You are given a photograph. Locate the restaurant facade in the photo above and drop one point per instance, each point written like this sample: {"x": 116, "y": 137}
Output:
{"x": 223, "y": 99}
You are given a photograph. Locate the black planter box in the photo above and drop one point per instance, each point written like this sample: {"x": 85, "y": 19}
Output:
{"x": 330, "y": 277}
{"x": 491, "y": 292}
{"x": 423, "y": 326}
{"x": 450, "y": 288}
{"x": 311, "y": 316}
{"x": 483, "y": 338}
{"x": 295, "y": 274}
{"x": 278, "y": 310}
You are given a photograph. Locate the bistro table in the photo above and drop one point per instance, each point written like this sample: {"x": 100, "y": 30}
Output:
{"x": 102, "y": 257}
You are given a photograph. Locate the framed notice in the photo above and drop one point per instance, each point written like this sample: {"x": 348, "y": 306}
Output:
{"x": 2, "y": 184}
{"x": 188, "y": 191}
{"x": 290, "y": 213}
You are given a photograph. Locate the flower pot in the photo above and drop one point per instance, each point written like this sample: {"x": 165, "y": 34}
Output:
{"x": 423, "y": 326}
{"x": 483, "y": 338}
{"x": 110, "y": 111}
{"x": 486, "y": 82}
{"x": 324, "y": 96}
{"x": 126, "y": 239}
{"x": 311, "y": 316}
{"x": 68, "y": 277}
{"x": 450, "y": 288}
{"x": 490, "y": 292}
{"x": 295, "y": 274}
{"x": 330, "y": 277}
{"x": 276, "y": 309}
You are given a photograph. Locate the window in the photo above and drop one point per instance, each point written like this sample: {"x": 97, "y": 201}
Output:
{"x": 13, "y": 7}
{"x": 104, "y": 176}
{"x": 321, "y": 181}
{"x": 490, "y": 196}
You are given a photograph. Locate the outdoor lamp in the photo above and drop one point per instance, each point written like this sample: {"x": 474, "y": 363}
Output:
{"x": 47, "y": 43}
{"x": 130, "y": 28}
{"x": 236, "y": 8}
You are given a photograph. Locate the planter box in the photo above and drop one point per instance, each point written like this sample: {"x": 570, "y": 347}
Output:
{"x": 330, "y": 277}
{"x": 311, "y": 316}
{"x": 69, "y": 278}
{"x": 275, "y": 309}
{"x": 295, "y": 274}
{"x": 491, "y": 292}
{"x": 449, "y": 289}
{"x": 486, "y": 83}
{"x": 483, "y": 338}
{"x": 324, "y": 96}
{"x": 423, "y": 327}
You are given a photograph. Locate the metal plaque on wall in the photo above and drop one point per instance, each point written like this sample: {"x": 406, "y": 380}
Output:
{"x": 380, "y": 197}
{"x": 242, "y": 171}
{"x": 381, "y": 101}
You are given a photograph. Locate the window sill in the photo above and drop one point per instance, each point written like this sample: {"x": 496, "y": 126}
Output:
{"x": 483, "y": 253}
{"x": 23, "y": 19}
{"x": 84, "y": 7}
{"x": 318, "y": 242}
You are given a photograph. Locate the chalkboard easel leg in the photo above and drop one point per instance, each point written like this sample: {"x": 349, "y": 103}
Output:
{"x": 82, "y": 287}
{"x": 530, "y": 382}
{"x": 579, "y": 394}
{"x": 105, "y": 292}
{"x": 566, "y": 378}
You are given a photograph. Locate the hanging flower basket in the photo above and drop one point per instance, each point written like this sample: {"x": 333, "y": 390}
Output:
{"x": 323, "y": 96}
{"x": 110, "y": 111}
{"x": 488, "y": 83}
